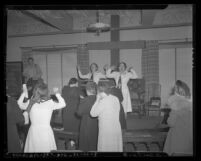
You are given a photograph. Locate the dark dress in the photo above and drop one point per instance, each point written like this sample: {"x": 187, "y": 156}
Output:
{"x": 117, "y": 92}
{"x": 88, "y": 137}
{"x": 70, "y": 120}
{"x": 14, "y": 116}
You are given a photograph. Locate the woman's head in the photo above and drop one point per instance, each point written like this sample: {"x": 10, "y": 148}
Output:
{"x": 91, "y": 88}
{"x": 93, "y": 67}
{"x": 73, "y": 81}
{"x": 41, "y": 91}
{"x": 182, "y": 89}
{"x": 122, "y": 66}
{"x": 103, "y": 87}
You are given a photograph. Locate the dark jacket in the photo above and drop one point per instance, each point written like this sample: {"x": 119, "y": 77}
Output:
{"x": 71, "y": 96}
{"x": 89, "y": 125}
{"x": 14, "y": 116}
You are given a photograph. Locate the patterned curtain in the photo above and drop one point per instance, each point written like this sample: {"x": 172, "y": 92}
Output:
{"x": 150, "y": 64}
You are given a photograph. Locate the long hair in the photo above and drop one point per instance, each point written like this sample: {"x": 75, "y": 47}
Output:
{"x": 182, "y": 89}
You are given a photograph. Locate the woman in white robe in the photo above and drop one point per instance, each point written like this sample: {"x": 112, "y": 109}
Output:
{"x": 94, "y": 75}
{"x": 124, "y": 76}
{"x": 107, "y": 108}
{"x": 40, "y": 137}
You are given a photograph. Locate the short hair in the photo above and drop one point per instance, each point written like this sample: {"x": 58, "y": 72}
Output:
{"x": 91, "y": 87}
{"x": 95, "y": 65}
{"x": 123, "y": 64}
{"x": 30, "y": 58}
{"x": 72, "y": 81}
{"x": 104, "y": 87}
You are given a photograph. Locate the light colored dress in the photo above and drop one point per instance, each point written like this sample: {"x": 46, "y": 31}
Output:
{"x": 40, "y": 137}
{"x": 96, "y": 76}
{"x": 110, "y": 134}
{"x": 180, "y": 134}
{"x": 125, "y": 77}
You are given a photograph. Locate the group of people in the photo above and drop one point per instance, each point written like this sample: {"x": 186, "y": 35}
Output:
{"x": 99, "y": 117}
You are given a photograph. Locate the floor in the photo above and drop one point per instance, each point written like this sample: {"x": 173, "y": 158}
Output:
{"x": 134, "y": 122}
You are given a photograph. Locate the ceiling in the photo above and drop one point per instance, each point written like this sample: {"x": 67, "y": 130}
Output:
{"x": 47, "y": 21}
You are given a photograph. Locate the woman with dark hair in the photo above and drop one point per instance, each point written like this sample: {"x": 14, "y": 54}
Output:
{"x": 121, "y": 78}
{"x": 88, "y": 136}
{"x": 40, "y": 136}
{"x": 71, "y": 94}
{"x": 107, "y": 108}
{"x": 179, "y": 138}
{"x": 94, "y": 75}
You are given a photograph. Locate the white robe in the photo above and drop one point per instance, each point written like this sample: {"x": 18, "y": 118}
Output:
{"x": 96, "y": 77}
{"x": 124, "y": 88}
{"x": 40, "y": 137}
{"x": 110, "y": 135}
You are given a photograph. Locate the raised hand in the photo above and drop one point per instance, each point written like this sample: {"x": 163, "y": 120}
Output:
{"x": 56, "y": 90}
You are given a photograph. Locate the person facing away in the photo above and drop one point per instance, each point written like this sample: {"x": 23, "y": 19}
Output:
{"x": 179, "y": 138}
{"x": 40, "y": 137}
{"x": 107, "y": 108}
{"x": 14, "y": 116}
{"x": 117, "y": 92}
{"x": 88, "y": 136}
{"x": 32, "y": 71}
{"x": 94, "y": 75}
{"x": 71, "y": 94}
{"x": 121, "y": 78}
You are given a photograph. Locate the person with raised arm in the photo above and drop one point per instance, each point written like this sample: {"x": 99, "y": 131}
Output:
{"x": 40, "y": 137}
{"x": 121, "y": 78}
{"x": 94, "y": 75}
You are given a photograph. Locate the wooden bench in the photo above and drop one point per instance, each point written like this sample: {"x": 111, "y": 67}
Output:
{"x": 146, "y": 137}
{"x": 66, "y": 135}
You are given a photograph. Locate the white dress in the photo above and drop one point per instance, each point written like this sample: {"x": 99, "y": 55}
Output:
{"x": 110, "y": 134}
{"x": 96, "y": 77}
{"x": 40, "y": 137}
{"x": 124, "y": 87}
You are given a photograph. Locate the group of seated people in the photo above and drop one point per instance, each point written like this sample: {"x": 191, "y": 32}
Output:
{"x": 99, "y": 117}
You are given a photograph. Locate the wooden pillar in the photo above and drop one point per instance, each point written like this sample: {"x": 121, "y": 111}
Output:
{"x": 114, "y": 37}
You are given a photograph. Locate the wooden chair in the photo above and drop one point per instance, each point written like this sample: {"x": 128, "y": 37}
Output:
{"x": 137, "y": 91}
{"x": 154, "y": 99}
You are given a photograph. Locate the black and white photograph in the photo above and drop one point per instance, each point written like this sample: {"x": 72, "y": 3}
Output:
{"x": 100, "y": 80}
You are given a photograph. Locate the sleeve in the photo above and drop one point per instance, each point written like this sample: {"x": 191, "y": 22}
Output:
{"x": 39, "y": 72}
{"x": 101, "y": 75}
{"x": 60, "y": 104}
{"x": 17, "y": 113}
{"x": 86, "y": 76}
{"x": 172, "y": 118}
{"x": 111, "y": 75}
{"x": 132, "y": 74}
{"x": 97, "y": 108}
{"x": 22, "y": 105}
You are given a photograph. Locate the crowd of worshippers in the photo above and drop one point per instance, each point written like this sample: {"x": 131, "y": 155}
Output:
{"x": 99, "y": 116}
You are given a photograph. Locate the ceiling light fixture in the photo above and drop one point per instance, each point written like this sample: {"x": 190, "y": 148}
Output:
{"x": 98, "y": 27}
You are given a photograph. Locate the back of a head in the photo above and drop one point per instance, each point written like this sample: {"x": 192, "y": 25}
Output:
{"x": 103, "y": 86}
{"x": 91, "y": 87}
{"x": 41, "y": 90}
{"x": 72, "y": 81}
{"x": 183, "y": 89}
